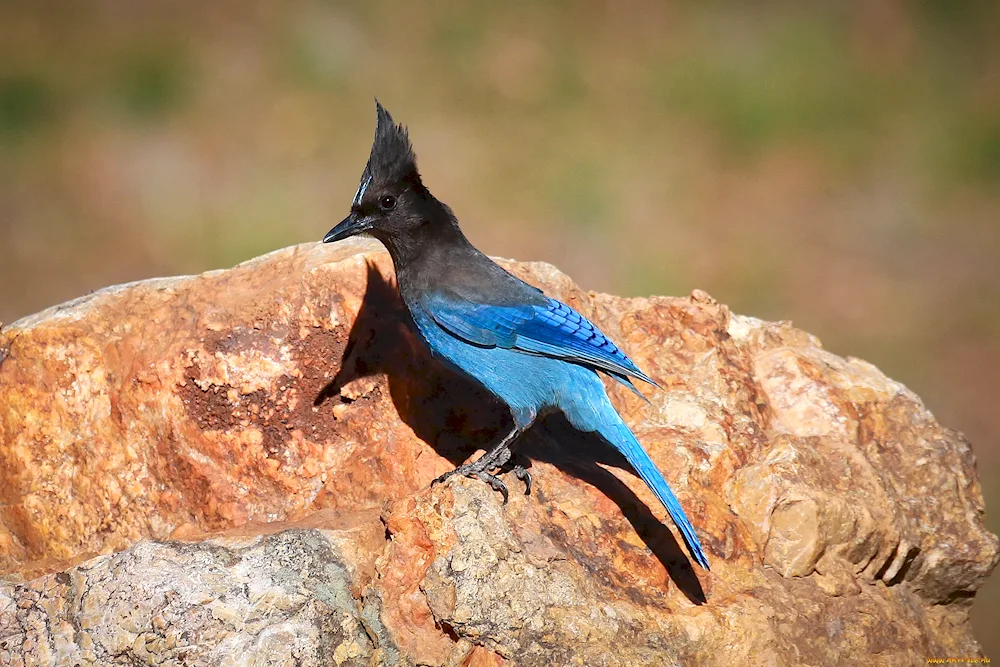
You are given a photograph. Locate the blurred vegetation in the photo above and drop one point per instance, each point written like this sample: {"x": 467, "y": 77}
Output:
{"x": 836, "y": 164}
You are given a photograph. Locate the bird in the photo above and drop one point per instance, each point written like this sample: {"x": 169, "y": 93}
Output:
{"x": 534, "y": 353}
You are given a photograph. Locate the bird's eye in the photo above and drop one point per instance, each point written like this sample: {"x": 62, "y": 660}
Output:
{"x": 387, "y": 202}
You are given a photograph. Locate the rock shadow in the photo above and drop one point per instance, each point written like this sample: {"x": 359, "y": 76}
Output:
{"x": 457, "y": 416}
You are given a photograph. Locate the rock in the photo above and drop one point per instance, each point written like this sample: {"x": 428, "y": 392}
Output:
{"x": 281, "y": 598}
{"x": 256, "y": 445}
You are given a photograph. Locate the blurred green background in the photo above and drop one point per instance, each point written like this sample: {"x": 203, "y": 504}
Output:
{"x": 832, "y": 163}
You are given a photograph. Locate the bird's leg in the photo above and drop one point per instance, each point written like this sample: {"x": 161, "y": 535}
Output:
{"x": 496, "y": 457}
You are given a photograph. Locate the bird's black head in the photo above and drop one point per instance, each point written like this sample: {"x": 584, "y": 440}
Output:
{"x": 391, "y": 203}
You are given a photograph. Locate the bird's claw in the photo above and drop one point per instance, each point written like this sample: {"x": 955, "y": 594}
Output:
{"x": 522, "y": 474}
{"x": 496, "y": 483}
{"x": 440, "y": 478}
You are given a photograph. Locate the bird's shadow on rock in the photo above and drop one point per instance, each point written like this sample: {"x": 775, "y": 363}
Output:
{"x": 457, "y": 416}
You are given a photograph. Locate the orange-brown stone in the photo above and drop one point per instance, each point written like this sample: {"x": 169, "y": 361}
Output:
{"x": 285, "y": 406}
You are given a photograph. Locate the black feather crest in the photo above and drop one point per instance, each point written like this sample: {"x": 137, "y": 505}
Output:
{"x": 392, "y": 158}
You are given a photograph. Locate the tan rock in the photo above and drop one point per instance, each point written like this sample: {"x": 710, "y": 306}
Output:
{"x": 842, "y": 522}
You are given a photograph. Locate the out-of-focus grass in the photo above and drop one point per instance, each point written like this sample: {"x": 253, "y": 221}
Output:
{"x": 833, "y": 164}
{"x": 26, "y": 105}
{"x": 791, "y": 83}
{"x": 151, "y": 84}
{"x": 975, "y": 153}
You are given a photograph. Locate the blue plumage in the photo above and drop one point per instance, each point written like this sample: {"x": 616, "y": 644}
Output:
{"x": 552, "y": 329}
{"x": 534, "y": 353}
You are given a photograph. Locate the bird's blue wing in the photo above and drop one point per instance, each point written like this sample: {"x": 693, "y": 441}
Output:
{"x": 559, "y": 331}
{"x": 479, "y": 324}
{"x": 550, "y": 328}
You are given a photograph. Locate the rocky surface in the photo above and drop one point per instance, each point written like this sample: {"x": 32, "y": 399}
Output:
{"x": 256, "y": 445}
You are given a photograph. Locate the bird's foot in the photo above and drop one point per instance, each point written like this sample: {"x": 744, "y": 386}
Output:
{"x": 487, "y": 461}
{"x": 480, "y": 470}
{"x": 469, "y": 470}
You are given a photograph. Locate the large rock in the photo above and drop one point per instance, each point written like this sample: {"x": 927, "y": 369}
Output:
{"x": 289, "y": 397}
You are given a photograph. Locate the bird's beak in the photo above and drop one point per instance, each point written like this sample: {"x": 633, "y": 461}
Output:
{"x": 352, "y": 225}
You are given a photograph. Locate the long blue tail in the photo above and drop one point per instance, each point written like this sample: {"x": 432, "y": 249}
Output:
{"x": 619, "y": 435}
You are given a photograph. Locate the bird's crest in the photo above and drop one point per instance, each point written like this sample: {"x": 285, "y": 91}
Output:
{"x": 392, "y": 158}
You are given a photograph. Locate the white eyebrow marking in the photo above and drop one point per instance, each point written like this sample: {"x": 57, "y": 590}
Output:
{"x": 361, "y": 191}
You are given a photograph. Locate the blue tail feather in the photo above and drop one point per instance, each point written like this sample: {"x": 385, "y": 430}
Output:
{"x": 622, "y": 438}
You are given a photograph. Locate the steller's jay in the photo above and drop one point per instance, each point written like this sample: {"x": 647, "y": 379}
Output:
{"x": 534, "y": 353}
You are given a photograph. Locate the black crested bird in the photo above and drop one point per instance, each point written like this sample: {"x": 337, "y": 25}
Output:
{"x": 534, "y": 353}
